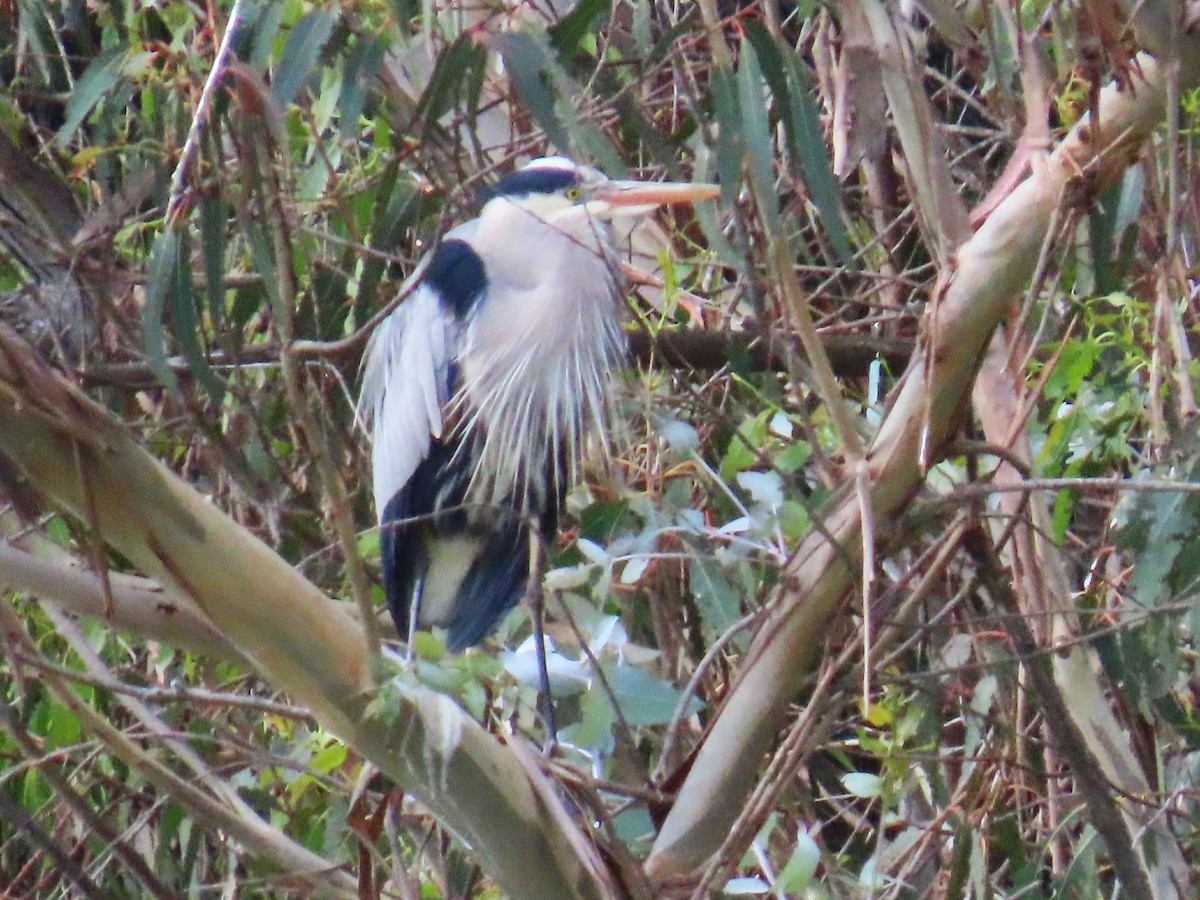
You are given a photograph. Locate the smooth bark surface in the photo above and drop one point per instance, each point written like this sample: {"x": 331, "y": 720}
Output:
{"x": 276, "y": 618}
{"x": 990, "y": 271}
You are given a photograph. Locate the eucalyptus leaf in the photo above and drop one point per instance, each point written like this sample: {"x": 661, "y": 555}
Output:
{"x": 97, "y": 80}
{"x": 863, "y": 784}
{"x": 730, "y": 139}
{"x": 160, "y": 277}
{"x": 715, "y": 596}
{"x": 187, "y": 326}
{"x": 645, "y": 699}
{"x": 301, "y": 52}
{"x": 756, "y": 134}
{"x": 362, "y": 67}
{"x": 212, "y": 248}
{"x": 798, "y": 871}
{"x": 807, "y": 140}
{"x": 527, "y": 61}
{"x": 451, "y": 80}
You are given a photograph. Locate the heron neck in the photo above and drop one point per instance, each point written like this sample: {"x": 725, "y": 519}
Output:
{"x": 540, "y": 347}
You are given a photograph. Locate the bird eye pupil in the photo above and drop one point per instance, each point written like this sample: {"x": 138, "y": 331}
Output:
{"x": 573, "y": 193}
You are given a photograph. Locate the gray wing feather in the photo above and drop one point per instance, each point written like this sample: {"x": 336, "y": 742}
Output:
{"x": 405, "y": 386}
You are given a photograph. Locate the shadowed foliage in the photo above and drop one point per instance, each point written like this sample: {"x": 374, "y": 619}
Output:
{"x": 889, "y": 591}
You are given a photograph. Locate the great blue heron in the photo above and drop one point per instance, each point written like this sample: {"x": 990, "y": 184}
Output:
{"x": 484, "y": 386}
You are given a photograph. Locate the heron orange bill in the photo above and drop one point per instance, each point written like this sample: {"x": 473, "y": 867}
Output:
{"x": 653, "y": 193}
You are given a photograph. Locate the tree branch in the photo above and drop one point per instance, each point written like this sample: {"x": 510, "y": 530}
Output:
{"x": 925, "y": 411}
{"x": 304, "y": 644}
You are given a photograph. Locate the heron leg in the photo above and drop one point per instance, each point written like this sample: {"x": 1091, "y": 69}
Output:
{"x": 537, "y": 604}
{"x": 414, "y": 619}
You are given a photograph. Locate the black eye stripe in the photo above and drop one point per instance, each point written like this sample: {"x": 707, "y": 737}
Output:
{"x": 532, "y": 181}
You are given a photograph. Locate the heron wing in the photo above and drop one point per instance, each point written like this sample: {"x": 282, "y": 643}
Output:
{"x": 457, "y": 570}
{"x": 407, "y": 379}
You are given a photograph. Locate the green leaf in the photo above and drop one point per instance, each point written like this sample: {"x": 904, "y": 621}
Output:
{"x": 590, "y": 142}
{"x": 1075, "y": 364}
{"x": 1064, "y": 506}
{"x": 427, "y": 646}
{"x": 756, "y": 135}
{"x": 1182, "y": 719}
{"x": 641, "y": 28}
{"x": 644, "y": 699}
{"x": 329, "y": 758}
{"x": 798, "y": 871}
{"x": 301, "y": 52}
{"x": 742, "y": 452}
{"x": 794, "y": 520}
{"x": 597, "y": 719}
{"x": 262, "y": 32}
{"x": 187, "y": 324}
{"x": 573, "y": 27}
{"x": 729, "y": 133}
{"x": 212, "y": 244}
{"x": 97, "y": 80}
{"x": 399, "y": 206}
{"x": 34, "y": 790}
{"x": 717, "y": 600}
{"x": 635, "y": 827}
{"x": 863, "y": 784}
{"x": 328, "y": 302}
{"x": 802, "y": 126}
{"x": 527, "y": 63}
{"x": 602, "y": 521}
{"x": 160, "y": 277}
{"x": 452, "y": 79}
{"x": 1102, "y": 219}
{"x": 61, "y": 727}
{"x": 649, "y": 135}
{"x": 793, "y": 456}
{"x": 264, "y": 264}
{"x": 362, "y": 65}
{"x": 40, "y": 28}
{"x": 406, "y": 10}
{"x": 472, "y": 94}
{"x": 707, "y": 169}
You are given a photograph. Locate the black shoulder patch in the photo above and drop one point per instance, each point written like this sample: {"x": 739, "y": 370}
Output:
{"x": 456, "y": 273}
{"x": 532, "y": 181}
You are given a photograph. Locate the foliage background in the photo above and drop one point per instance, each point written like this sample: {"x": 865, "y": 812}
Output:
{"x": 199, "y": 246}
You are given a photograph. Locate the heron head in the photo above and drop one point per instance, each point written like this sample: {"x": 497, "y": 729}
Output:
{"x": 555, "y": 187}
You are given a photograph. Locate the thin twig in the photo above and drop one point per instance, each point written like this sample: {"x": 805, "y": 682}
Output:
{"x": 175, "y": 694}
{"x": 336, "y": 495}
{"x": 537, "y": 603}
{"x": 693, "y": 686}
{"x": 1104, "y": 813}
{"x": 1117, "y": 483}
{"x": 862, "y": 487}
{"x": 179, "y": 176}
{"x": 826, "y": 382}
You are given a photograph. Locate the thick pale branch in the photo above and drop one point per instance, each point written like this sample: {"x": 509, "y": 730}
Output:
{"x": 275, "y": 617}
{"x": 212, "y": 801}
{"x": 1039, "y": 577}
{"x": 139, "y": 604}
{"x": 990, "y": 271}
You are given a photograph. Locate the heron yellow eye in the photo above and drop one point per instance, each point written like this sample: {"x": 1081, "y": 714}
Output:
{"x": 573, "y": 193}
